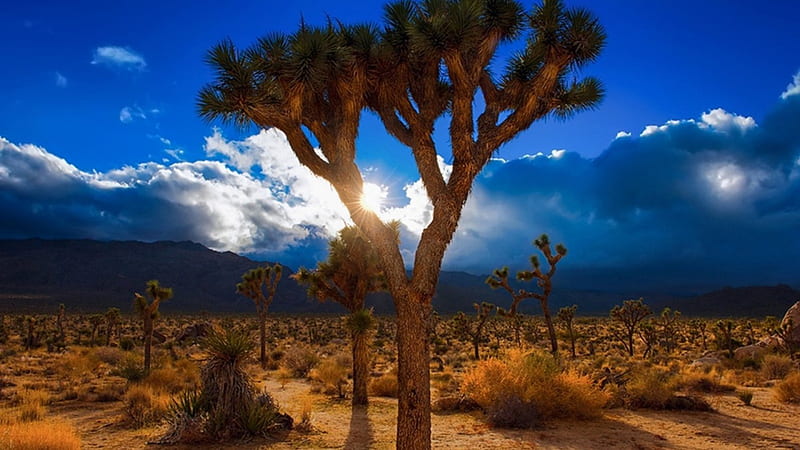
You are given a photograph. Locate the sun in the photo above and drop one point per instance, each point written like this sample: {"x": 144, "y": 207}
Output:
{"x": 372, "y": 197}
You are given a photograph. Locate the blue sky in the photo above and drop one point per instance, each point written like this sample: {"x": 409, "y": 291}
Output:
{"x": 104, "y": 92}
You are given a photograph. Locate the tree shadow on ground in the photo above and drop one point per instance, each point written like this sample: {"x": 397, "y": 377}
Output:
{"x": 360, "y": 434}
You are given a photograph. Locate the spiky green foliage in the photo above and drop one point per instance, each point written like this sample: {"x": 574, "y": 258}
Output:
{"x": 360, "y": 322}
{"x": 629, "y": 316}
{"x": 351, "y": 271}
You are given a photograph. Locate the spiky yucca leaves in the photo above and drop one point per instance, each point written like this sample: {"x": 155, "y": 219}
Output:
{"x": 429, "y": 57}
{"x": 544, "y": 280}
{"x": 227, "y": 389}
{"x": 148, "y": 311}
{"x": 351, "y": 271}
{"x": 253, "y": 286}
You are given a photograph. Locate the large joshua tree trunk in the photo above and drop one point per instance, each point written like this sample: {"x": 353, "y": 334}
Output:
{"x": 551, "y": 330}
{"x": 360, "y": 367}
{"x": 413, "y": 389}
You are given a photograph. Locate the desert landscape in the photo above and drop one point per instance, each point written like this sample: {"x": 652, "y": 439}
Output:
{"x": 456, "y": 224}
{"x": 89, "y": 389}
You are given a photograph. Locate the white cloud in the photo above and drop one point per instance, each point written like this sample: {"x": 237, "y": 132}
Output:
{"x": 119, "y": 57}
{"x": 622, "y": 134}
{"x": 61, "y": 80}
{"x": 722, "y": 120}
{"x": 792, "y": 88}
{"x": 129, "y": 113}
{"x": 175, "y": 153}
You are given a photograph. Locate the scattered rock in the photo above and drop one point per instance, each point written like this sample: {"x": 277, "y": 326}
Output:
{"x": 194, "y": 331}
{"x": 705, "y": 362}
{"x": 158, "y": 337}
{"x": 453, "y": 403}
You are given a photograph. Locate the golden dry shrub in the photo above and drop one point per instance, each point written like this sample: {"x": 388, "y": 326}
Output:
{"x": 700, "y": 381}
{"x": 52, "y": 435}
{"x": 650, "y": 387}
{"x": 788, "y": 390}
{"x": 184, "y": 375}
{"x": 384, "y": 386}
{"x": 145, "y": 405}
{"x": 524, "y": 388}
{"x": 775, "y": 367}
{"x": 332, "y": 375}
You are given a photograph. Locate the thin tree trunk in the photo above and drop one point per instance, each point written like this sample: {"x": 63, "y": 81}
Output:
{"x": 550, "y": 329}
{"x": 572, "y": 341}
{"x": 476, "y": 349}
{"x": 414, "y": 390}
{"x": 262, "y": 330}
{"x": 148, "y": 341}
{"x": 360, "y": 367}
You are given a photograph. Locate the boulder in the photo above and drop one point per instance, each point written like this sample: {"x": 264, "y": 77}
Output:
{"x": 158, "y": 337}
{"x": 793, "y": 316}
{"x": 754, "y": 351}
{"x": 194, "y": 331}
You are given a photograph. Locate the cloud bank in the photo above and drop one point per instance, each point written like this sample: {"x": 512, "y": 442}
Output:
{"x": 714, "y": 199}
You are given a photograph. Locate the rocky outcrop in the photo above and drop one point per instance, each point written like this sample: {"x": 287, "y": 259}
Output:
{"x": 791, "y": 322}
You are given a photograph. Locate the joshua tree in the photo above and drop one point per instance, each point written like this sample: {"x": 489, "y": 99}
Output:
{"x": 464, "y": 326}
{"x": 723, "y": 336}
{"x": 60, "y": 324}
{"x": 629, "y": 315}
{"x": 668, "y": 324}
{"x": 698, "y": 328}
{"x": 351, "y": 272}
{"x": 253, "y": 284}
{"x": 565, "y": 316}
{"x": 148, "y": 312}
{"x": 429, "y": 58}
{"x": 499, "y": 279}
{"x": 112, "y": 317}
{"x": 95, "y": 320}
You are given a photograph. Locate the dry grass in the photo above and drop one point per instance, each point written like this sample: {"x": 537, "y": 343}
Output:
{"x": 145, "y": 405}
{"x": 51, "y": 435}
{"x": 525, "y": 388}
{"x": 384, "y": 386}
{"x": 788, "y": 390}
{"x": 710, "y": 382}
{"x": 775, "y": 367}
{"x": 182, "y": 376}
{"x": 332, "y": 376}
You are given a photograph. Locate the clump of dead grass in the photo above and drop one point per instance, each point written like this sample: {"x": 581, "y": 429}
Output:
{"x": 52, "y": 435}
{"x": 788, "y": 390}
{"x": 525, "y": 388}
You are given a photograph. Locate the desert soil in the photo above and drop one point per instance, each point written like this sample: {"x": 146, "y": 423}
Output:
{"x": 765, "y": 424}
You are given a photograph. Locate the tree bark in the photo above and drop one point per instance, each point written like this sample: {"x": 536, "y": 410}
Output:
{"x": 148, "y": 341}
{"x": 360, "y": 342}
{"x": 262, "y": 331}
{"x": 413, "y": 390}
{"x": 550, "y": 329}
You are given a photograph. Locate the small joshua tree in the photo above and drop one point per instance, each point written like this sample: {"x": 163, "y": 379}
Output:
{"x": 473, "y": 329}
{"x": 566, "y": 316}
{"x": 253, "y": 285}
{"x": 148, "y": 312}
{"x": 544, "y": 280}
{"x": 60, "y": 324}
{"x": 629, "y": 315}
{"x": 668, "y": 327}
{"x": 95, "y": 320}
{"x": 351, "y": 271}
{"x": 723, "y": 336}
{"x": 698, "y": 328}
{"x": 112, "y": 317}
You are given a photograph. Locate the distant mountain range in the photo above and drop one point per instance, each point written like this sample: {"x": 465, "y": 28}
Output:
{"x": 36, "y": 275}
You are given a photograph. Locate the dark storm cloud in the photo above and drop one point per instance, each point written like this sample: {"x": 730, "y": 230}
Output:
{"x": 716, "y": 198}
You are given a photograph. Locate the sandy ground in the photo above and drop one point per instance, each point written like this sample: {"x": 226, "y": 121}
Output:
{"x": 765, "y": 424}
